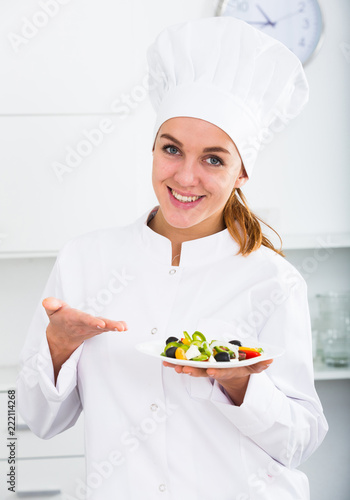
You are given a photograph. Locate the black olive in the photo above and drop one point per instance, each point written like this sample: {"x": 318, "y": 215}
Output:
{"x": 170, "y": 353}
{"x": 171, "y": 339}
{"x": 236, "y": 342}
{"x": 222, "y": 356}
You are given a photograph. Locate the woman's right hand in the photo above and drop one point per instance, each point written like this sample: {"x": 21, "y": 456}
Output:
{"x": 68, "y": 328}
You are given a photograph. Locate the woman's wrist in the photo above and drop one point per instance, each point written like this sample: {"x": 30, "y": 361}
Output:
{"x": 236, "y": 388}
{"x": 60, "y": 349}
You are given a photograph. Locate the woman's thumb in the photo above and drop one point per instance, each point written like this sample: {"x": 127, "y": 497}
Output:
{"x": 51, "y": 305}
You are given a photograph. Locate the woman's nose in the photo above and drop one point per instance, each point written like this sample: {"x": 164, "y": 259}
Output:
{"x": 187, "y": 173}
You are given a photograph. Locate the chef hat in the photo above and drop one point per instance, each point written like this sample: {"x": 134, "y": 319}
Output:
{"x": 224, "y": 71}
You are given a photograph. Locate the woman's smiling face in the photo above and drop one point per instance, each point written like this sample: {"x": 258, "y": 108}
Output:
{"x": 195, "y": 167}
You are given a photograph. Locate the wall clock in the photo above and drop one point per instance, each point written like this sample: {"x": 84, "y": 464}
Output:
{"x": 297, "y": 24}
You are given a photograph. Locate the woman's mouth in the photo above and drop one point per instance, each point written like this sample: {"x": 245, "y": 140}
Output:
{"x": 183, "y": 201}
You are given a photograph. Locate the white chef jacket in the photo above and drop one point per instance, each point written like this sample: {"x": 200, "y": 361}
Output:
{"x": 151, "y": 433}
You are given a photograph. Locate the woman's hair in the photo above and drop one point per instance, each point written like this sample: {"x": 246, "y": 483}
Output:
{"x": 244, "y": 226}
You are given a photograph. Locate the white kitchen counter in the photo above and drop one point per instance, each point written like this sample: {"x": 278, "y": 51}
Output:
{"x": 325, "y": 372}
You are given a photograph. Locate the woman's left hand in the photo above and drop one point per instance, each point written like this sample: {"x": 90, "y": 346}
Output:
{"x": 221, "y": 373}
{"x": 233, "y": 380}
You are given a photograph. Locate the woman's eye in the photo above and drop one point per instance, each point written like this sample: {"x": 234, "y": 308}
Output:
{"x": 171, "y": 149}
{"x": 214, "y": 161}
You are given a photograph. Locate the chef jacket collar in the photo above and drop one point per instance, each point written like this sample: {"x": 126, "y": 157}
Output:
{"x": 198, "y": 252}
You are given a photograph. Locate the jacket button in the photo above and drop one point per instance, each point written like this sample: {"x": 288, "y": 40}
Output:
{"x": 154, "y": 330}
{"x": 172, "y": 271}
{"x": 154, "y": 407}
{"x": 162, "y": 487}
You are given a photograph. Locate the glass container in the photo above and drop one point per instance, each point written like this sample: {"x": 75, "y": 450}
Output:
{"x": 334, "y": 327}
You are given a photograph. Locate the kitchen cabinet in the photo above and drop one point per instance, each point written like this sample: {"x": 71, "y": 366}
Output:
{"x": 104, "y": 184}
{"x": 46, "y": 478}
{"x": 44, "y": 468}
{"x": 69, "y": 443}
{"x": 83, "y": 55}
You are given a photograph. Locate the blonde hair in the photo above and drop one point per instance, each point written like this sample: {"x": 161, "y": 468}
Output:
{"x": 244, "y": 226}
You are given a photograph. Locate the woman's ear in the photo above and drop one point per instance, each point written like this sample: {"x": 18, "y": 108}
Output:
{"x": 242, "y": 179}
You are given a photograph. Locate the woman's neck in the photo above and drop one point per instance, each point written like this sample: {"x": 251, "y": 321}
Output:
{"x": 178, "y": 235}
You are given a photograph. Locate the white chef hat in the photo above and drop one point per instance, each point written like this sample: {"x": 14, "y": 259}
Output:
{"x": 224, "y": 71}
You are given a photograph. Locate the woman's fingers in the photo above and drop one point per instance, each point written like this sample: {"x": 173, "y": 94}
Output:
{"x": 260, "y": 367}
{"x": 194, "y": 372}
{"x": 98, "y": 325}
{"x": 188, "y": 370}
{"x": 74, "y": 318}
{"x": 239, "y": 372}
{"x": 110, "y": 325}
{"x": 77, "y": 325}
{"x": 221, "y": 373}
{"x": 121, "y": 326}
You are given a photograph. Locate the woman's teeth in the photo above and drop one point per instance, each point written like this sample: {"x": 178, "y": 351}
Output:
{"x": 186, "y": 199}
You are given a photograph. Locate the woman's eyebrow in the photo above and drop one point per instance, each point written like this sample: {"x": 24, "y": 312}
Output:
{"x": 171, "y": 138}
{"x": 217, "y": 149}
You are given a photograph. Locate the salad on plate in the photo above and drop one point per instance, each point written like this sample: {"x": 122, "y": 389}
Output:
{"x": 198, "y": 348}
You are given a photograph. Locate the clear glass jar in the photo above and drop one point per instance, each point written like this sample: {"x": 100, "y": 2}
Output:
{"x": 336, "y": 347}
{"x": 334, "y": 327}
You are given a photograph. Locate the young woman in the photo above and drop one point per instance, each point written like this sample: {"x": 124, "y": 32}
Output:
{"x": 197, "y": 261}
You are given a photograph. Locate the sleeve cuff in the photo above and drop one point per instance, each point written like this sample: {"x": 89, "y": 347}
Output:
{"x": 261, "y": 408}
{"x": 67, "y": 377}
{"x": 262, "y": 405}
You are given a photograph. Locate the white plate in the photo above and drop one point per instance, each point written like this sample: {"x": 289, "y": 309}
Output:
{"x": 155, "y": 348}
